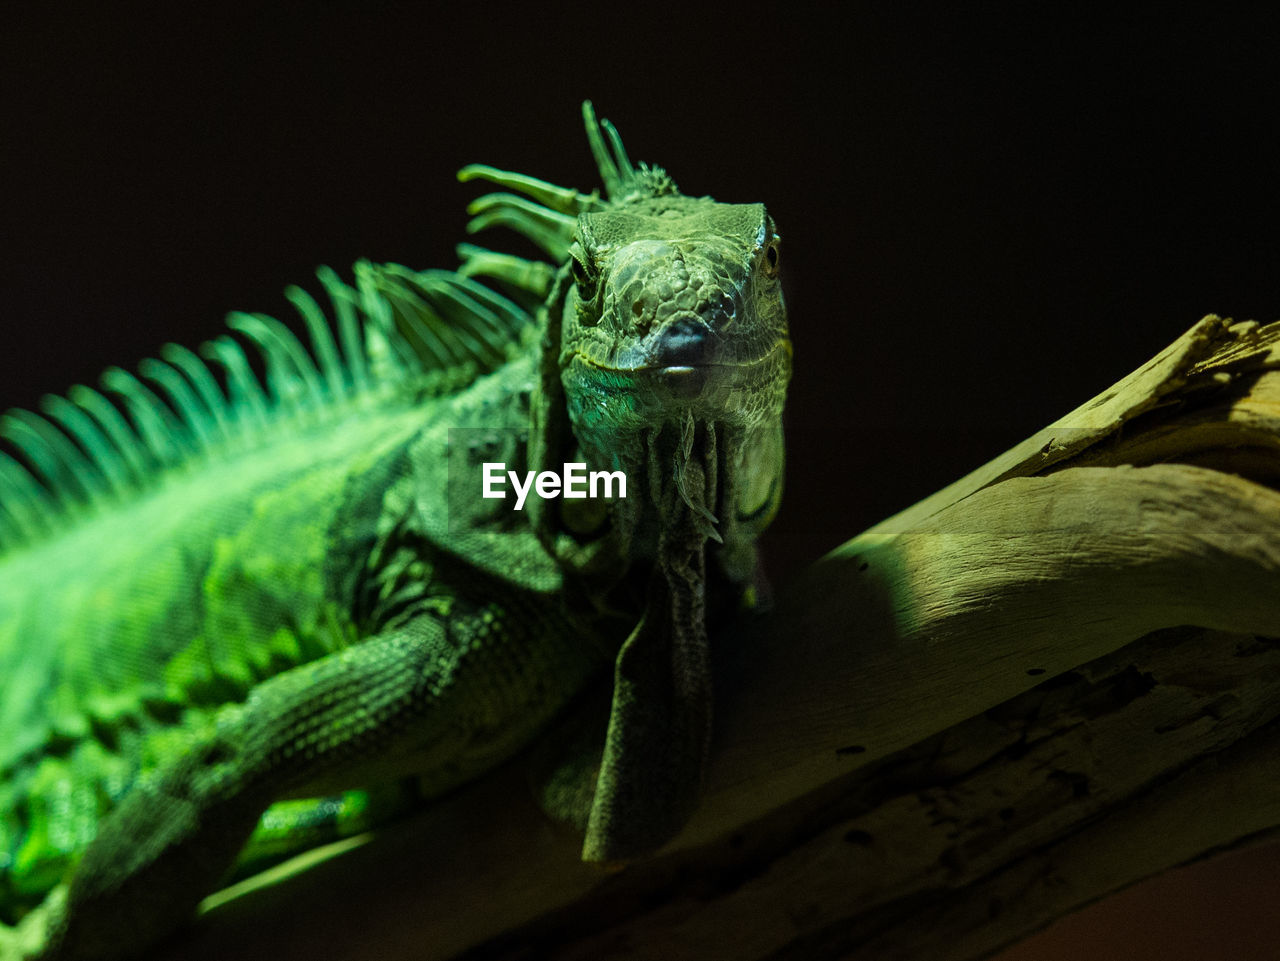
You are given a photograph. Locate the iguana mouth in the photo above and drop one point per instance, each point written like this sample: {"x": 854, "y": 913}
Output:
{"x": 744, "y": 392}
{"x": 677, "y": 366}
{"x": 652, "y": 382}
{"x": 685, "y": 381}
{"x": 685, "y": 343}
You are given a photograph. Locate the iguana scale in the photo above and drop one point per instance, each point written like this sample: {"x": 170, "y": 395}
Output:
{"x": 220, "y": 591}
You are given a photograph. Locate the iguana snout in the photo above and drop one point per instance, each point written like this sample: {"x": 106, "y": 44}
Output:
{"x": 673, "y": 310}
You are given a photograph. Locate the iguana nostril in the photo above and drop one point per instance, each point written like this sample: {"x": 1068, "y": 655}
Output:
{"x": 718, "y": 311}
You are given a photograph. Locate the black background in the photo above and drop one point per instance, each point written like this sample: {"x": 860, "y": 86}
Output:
{"x": 988, "y": 216}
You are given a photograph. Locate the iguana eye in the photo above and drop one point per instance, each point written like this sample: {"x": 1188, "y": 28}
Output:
{"x": 772, "y": 255}
{"x": 582, "y": 277}
{"x": 585, "y": 281}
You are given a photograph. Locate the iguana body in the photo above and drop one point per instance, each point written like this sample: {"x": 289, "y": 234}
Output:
{"x": 225, "y": 601}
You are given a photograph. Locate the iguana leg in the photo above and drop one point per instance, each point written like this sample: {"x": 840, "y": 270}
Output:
{"x": 429, "y": 693}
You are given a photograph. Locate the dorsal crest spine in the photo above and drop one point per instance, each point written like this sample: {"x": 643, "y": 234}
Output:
{"x": 400, "y": 333}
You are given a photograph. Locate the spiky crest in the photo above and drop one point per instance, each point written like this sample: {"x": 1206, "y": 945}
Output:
{"x": 547, "y": 214}
{"x": 400, "y": 333}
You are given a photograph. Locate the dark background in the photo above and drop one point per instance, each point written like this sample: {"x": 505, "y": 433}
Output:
{"x": 988, "y": 216}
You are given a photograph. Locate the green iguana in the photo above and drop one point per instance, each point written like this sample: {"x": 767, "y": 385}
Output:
{"x": 227, "y": 599}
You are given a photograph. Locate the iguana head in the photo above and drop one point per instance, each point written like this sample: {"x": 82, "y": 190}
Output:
{"x": 673, "y": 327}
{"x": 665, "y": 355}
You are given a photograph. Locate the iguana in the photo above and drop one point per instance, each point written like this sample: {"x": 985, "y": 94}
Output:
{"x": 222, "y": 590}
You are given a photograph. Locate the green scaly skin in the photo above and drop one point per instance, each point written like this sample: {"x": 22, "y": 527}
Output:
{"x": 226, "y": 603}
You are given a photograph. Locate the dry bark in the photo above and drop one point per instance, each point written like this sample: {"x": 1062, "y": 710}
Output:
{"x": 1047, "y": 681}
